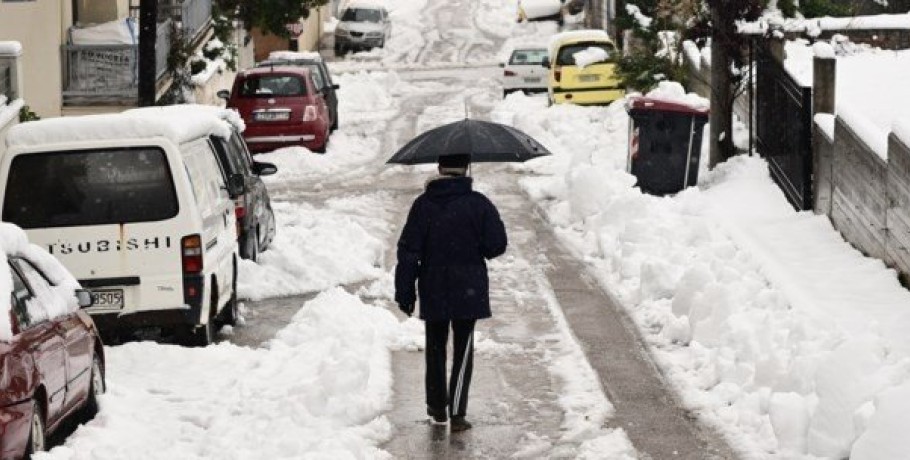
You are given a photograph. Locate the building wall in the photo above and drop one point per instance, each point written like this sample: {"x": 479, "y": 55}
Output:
{"x": 100, "y": 11}
{"x": 307, "y": 41}
{"x": 41, "y": 63}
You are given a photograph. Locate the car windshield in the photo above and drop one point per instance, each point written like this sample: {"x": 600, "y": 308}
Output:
{"x": 272, "y": 86}
{"x": 566, "y": 55}
{"x": 528, "y": 57}
{"x": 90, "y": 187}
{"x": 361, "y": 15}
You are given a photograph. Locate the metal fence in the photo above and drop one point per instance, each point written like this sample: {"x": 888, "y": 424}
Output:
{"x": 162, "y": 47}
{"x": 194, "y": 16}
{"x": 784, "y": 127}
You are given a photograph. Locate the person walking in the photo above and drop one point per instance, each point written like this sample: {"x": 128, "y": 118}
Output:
{"x": 450, "y": 232}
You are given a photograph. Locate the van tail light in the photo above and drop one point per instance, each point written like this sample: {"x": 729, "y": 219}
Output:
{"x": 557, "y": 74}
{"x": 191, "y": 247}
{"x": 309, "y": 113}
{"x": 508, "y": 73}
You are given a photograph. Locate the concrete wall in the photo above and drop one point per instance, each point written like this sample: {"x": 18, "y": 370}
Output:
{"x": 100, "y": 11}
{"x": 866, "y": 197}
{"x": 41, "y": 59}
{"x": 313, "y": 28}
{"x": 208, "y": 93}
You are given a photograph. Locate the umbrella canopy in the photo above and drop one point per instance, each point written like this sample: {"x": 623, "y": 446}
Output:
{"x": 483, "y": 140}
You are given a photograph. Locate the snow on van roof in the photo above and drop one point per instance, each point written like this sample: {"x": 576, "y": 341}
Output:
{"x": 577, "y": 35}
{"x": 58, "y": 301}
{"x": 229, "y": 115}
{"x": 294, "y": 56}
{"x": 179, "y": 127}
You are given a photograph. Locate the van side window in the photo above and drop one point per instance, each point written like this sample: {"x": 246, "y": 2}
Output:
{"x": 89, "y": 187}
{"x": 206, "y": 175}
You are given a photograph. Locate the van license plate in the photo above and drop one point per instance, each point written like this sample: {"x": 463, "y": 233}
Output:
{"x": 272, "y": 116}
{"x": 107, "y": 299}
{"x": 588, "y": 78}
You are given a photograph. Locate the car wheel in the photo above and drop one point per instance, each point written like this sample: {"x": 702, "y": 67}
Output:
{"x": 36, "y": 434}
{"x": 251, "y": 247}
{"x": 96, "y": 387}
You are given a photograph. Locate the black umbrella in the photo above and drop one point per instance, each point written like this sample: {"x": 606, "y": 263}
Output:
{"x": 483, "y": 140}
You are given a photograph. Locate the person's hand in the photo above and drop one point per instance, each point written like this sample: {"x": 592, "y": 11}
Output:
{"x": 406, "y": 308}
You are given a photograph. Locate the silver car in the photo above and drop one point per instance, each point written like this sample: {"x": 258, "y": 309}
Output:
{"x": 362, "y": 26}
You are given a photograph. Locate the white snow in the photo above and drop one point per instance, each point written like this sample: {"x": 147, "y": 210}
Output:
{"x": 826, "y": 122}
{"x": 179, "y": 127}
{"x": 119, "y": 32}
{"x": 317, "y": 390}
{"x": 823, "y": 50}
{"x": 295, "y": 55}
{"x": 641, "y": 19}
{"x": 10, "y": 111}
{"x": 772, "y": 19}
{"x": 10, "y": 48}
{"x": 540, "y": 8}
{"x": 192, "y": 110}
{"x": 673, "y": 92}
{"x": 51, "y": 303}
{"x": 768, "y": 324}
{"x": 901, "y": 130}
{"x": 590, "y": 56}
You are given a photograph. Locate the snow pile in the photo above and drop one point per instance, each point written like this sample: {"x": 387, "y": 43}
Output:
{"x": 673, "y": 92}
{"x": 590, "y": 56}
{"x": 641, "y": 19}
{"x": 119, "y": 32}
{"x": 317, "y": 248}
{"x": 51, "y": 303}
{"x": 768, "y": 323}
{"x": 318, "y": 390}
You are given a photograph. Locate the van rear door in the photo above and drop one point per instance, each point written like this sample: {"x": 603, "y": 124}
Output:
{"x": 109, "y": 215}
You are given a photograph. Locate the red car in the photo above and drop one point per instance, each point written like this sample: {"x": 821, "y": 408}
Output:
{"x": 51, "y": 357}
{"x": 281, "y": 107}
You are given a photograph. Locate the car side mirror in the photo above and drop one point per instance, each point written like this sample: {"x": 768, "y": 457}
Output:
{"x": 224, "y": 94}
{"x": 546, "y": 63}
{"x": 336, "y": 86}
{"x": 236, "y": 185}
{"x": 84, "y": 298}
{"x": 264, "y": 169}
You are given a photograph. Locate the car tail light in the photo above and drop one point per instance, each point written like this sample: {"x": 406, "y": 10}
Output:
{"x": 191, "y": 247}
{"x": 557, "y": 74}
{"x": 239, "y": 212}
{"x": 508, "y": 73}
{"x": 309, "y": 113}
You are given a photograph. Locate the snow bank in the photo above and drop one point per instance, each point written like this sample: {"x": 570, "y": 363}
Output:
{"x": 318, "y": 390}
{"x": 51, "y": 303}
{"x": 319, "y": 247}
{"x": 766, "y": 321}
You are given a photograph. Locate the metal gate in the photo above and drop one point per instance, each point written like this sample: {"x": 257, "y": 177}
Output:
{"x": 784, "y": 127}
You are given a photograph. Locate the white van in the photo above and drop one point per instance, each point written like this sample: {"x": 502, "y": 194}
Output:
{"x": 137, "y": 208}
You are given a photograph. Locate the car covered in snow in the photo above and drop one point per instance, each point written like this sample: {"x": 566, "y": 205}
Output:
{"x": 524, "y": 71}
{"x": 51, "y": 357}
{"x": 281, "y": 107}
{"x": 137, "y": 207}
{"x": 582, "y": 68}
{"x": 256, "y": 226}
{"x": 363, "y": 25}
{"x": 541, "y": 10}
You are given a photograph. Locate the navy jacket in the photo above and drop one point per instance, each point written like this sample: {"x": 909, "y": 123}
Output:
{"x": 450, "y": 232}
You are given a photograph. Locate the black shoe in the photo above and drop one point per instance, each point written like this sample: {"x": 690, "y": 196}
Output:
{"x": 437, "y": 418}
{"x": 460, "y": 424}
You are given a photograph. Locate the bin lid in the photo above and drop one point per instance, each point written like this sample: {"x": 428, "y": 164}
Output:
{"x": 641, "y": 103}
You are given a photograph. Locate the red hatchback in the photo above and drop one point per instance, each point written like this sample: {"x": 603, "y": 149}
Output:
{"x": 51, "y": 358}
{"x": 281, "y": 107}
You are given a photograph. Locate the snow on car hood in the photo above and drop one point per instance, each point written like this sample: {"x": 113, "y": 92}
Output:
{"x": 540, "y": 8}
{"x": 58, "y": 301}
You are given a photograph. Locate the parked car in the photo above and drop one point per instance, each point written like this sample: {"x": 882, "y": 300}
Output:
{"x": 592, "y": 83}
{"x": 363, "y": 25}
{"x": 321, "y": 75}
{"x": 51, "y": 357}
{"x": 137, "y": 207}
{"x": 281, "y": 107}
{"x": 256, "y": 226}
{"x": 524, "y": 71}
{"x": 541, "y": 10}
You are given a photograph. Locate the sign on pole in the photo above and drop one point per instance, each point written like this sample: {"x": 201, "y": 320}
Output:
{"x": 294, "y": 28}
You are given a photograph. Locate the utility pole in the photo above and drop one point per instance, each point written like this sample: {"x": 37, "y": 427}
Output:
{"x": 148, "y": 33}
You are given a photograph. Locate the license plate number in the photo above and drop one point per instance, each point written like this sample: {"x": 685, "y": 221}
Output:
{"x": 272, "y": 116}
{"x": 532, "y": 80}
{"x": 588, "y": 78}
{"x": 107, "y": 299}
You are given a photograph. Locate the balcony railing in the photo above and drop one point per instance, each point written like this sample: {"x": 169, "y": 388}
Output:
{"x": 6, "y": 79}
{"x": 108, "y": 74}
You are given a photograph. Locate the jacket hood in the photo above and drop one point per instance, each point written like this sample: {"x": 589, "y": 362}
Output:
{"x": 444, "y": 189}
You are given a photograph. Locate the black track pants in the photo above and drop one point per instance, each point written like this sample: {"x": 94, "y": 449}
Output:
{"x": 456, "y": 396}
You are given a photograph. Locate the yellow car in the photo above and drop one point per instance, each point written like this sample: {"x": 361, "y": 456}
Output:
{"x": 583, "y": 68}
